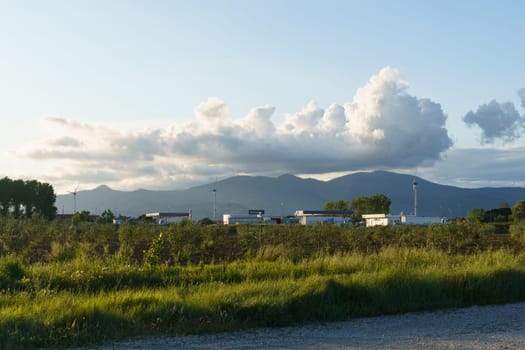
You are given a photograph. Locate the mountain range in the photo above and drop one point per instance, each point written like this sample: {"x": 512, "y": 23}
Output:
{"x": 285, "y": 194}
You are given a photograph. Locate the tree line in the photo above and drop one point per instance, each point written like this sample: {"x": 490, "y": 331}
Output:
{"x": 376, "y": 204}
{"x": 502, "y": 214}
{"x": 25, "y": 198}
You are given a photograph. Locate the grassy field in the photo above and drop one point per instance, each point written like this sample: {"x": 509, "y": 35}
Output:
{"x": 77, "y": 294}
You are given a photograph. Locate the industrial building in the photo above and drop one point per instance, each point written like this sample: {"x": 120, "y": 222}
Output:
{"x": 372, "y": 220}
{"x": 229, "y": 219}
{"x": 339, "y": 217}
{"x": 255, "y": 216}
{"x": 165, "y": 218}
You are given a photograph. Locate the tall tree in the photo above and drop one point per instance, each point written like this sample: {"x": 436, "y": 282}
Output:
{"x": 361, "y": 205}
{"x": 376, "y": 204}
{"x": 45, "y": 200}
{"x": 106, "y": 217}
{"x": 5, "y": 195}
{"x": 30, "y": 197}
{"x": 341, "y": 204}
{"x": 476, "y": 215}
{"x": 24, "y": 198}
{"x": 518, "y": 211}
{"x": 380, "y": 204}
{"x": 18, "y": 187}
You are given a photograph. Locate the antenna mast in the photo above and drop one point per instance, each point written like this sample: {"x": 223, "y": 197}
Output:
{"x": 414, "y": 188}
{"x": 214, "y": 203}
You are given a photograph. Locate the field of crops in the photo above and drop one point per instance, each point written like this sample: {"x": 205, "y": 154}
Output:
{"x": 66, "y": 285}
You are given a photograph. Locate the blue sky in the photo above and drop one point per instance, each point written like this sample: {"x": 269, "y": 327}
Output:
{"x": 164, "y": 94}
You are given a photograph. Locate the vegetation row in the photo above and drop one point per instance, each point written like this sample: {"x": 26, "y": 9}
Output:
{"x": 66, "y": 284}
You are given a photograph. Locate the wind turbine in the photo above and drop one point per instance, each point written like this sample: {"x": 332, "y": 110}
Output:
{"x": 414, "y": 188}
{"x": 74, "y": 193}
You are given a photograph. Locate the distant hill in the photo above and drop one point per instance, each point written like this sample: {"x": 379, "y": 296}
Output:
{"x": 287, "y": 193}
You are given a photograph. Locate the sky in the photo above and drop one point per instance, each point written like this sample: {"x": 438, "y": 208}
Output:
{"x": 172, "y": 94}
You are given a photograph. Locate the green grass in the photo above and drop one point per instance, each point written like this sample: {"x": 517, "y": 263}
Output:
{"x": 79, "y": 303}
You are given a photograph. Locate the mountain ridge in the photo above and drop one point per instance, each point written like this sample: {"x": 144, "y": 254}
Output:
{"x": 284, "y": 194}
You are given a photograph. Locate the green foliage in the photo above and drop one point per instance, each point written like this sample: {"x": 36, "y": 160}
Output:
{"x": 476, "y": 214}
{"x": 518, "y": 211}
{"x": 82, "y": 216}
{"x": 106, "y": 217}
{"x": 11, "y": 273}
{"x": 341, "y": 204}
{"x": 152, "y": 255}
{"x": 205, "y": 222}
{"x": 497, "y": 215}
{"x": 70, "y": 305}
{"x": 517, "y": 232}
{"x": 26, "y": 198}
{"x": 71, "y": 285}
{"x": 376, "y": 204}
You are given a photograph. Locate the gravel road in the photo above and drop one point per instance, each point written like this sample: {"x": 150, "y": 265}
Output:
{"x": 485, "y": 327}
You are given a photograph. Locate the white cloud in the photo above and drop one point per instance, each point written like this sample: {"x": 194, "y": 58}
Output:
{"x": 334, "y": 119}
{"x": 305, "y": 121}
{"x": 382, "y": 127}
{"x": 212, "y": 114}
{"x": 258, "y": 122}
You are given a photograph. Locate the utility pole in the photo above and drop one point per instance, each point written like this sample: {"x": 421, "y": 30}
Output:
{"x": 214, "y": 203}
{"x": 414, "y": 188}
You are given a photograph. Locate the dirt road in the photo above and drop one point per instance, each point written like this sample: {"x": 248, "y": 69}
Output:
{"x": 487, "y": 327}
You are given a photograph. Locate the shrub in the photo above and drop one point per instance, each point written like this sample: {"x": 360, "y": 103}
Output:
{"x": 11, "y": 273}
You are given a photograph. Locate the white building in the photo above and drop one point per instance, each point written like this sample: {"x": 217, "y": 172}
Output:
{"x": 338, "y": 217}
{"x": 165, "y": 218}
{"x": 228, "y": 219}
{"x": 372, "y": 220}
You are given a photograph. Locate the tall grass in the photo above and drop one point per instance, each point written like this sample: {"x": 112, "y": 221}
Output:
{"x": 75, "y": 304}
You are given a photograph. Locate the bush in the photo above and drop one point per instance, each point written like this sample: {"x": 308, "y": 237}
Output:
{"x": 517, "y": 232}
{"x": 11, "y": 273}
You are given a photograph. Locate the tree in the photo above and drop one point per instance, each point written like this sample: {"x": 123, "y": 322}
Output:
{"x": 376, "y": 204}
{"x": 361, "y": 205}
{"x": 25, "y": 198}
{"x": 518, "y": 211}
{"x": 476, "y": 215}
{"x": 30, "y": 197}
{"x": 5, "y": 195}
{"x": 205, "y": 222}
{"x": 18, "y": 192}
{"x": 379, "y": 203}
{"x": 497, "y": 215}
{"x": 45, "y": 201}
{"x": 106, "y": 217}
{"x": 82, "y": 216}
{"x": 341, "y": 204}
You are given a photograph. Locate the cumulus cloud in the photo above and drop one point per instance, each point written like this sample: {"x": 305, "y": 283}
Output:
{"x": 498, "y": 121}
{"x": 305, "y": 121}
{"x": 258, "y": 121}
{"x": 382, "y": 126}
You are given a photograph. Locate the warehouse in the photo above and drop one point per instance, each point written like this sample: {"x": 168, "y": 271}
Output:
{"x": 165, "y": 218}
{"x": 372, "y": 220}
{"x": 339, "y": 217}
